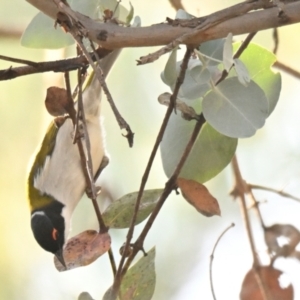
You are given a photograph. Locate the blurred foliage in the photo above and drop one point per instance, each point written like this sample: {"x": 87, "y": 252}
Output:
{"x": 183, "y": 238}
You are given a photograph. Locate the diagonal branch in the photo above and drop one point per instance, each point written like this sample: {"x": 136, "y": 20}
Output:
{"x": 239, "y": 21}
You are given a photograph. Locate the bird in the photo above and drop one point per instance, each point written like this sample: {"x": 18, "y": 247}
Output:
{"x": 56, "y": 181}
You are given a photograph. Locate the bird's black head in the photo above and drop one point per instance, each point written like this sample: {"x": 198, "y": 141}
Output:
{"x": 48, "y": 228}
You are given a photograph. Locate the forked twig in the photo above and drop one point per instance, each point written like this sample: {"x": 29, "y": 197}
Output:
{"x": 138, "y": 245}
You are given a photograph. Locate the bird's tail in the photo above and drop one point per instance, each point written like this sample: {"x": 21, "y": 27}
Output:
{"x": 92, "y": 91}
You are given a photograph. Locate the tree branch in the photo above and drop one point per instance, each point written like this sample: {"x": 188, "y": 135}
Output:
{"x": 112, "y": 36}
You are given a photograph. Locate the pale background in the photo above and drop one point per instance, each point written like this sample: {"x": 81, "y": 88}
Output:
{"x": 183, "y": 238}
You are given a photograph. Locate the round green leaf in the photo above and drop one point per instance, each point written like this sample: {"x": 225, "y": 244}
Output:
{"x": 211, "y": 153}
{"x": 139, "y": 281}
{"x": 261, "y": 72}
{"x": 85, "y": 296}
{"x": 196, "y": 81}
{"x": 214, "y": 50}
{"x": 41, "y": 33}
{"x": 236, "y": 110}
{"x": 120, "y": 212}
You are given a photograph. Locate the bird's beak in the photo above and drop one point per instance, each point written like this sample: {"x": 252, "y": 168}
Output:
{"x": 60, "y": 257}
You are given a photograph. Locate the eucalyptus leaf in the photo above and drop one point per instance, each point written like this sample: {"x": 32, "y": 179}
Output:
{"x": 213, "y": 51}
{"x": 139, "y": 281}
{"x": 137, "y": 22}
{"x": 169, "y": 75}
{"x": 196, "y": 83}
{"x": 182, "y": 14}
{"x": 242, "y": 72}
{"x": 85, "y": 296}
{"x": 196, "y": 80}
{"x": 258, "y": 62}
{"x": 119, "y": 213}
{"x": 89, "y": 8}
{"x": 235, "y": 110}
{"x": 130, "y": 14}
{"x": 41, "y": 34}
{"x": 210, "y": 154}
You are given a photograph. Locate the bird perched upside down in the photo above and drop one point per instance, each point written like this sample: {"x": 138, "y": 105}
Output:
{"x": 56, "y": 181}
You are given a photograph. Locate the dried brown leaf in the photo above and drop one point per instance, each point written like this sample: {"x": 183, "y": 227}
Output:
{"x": 198, "y": 195}
{"x": 270, "y": 280}
{"x": 56, "y": 101}
{"x": 83, "y": 249}
{"x": 282, "y": 239}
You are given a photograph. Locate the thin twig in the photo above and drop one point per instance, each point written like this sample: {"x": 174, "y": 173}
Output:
{"x": 99, "y": 74}
{"x": 256, "y": 206}
{"x": 279, "y": 65}
{"x": 238, "y": 53}
{"x": 268, "y": 189}
{"x": 86, "y": 161}
{"x": 276, "y": 40}
{"x": 240, "y": 189}
{"x": 138, "y": 245}
{"x": 88, "y": 164}
{"x": 122, "y": 123}
{"x": 112, "y": 261}
{"x": 55, "y": 66}
{"x": 212, "y": 258}
{"x": 9, "y": 32}
{"x": 204, "y": 23}
{"x": 170, "y": 186}
{"x": 20, "y": 61}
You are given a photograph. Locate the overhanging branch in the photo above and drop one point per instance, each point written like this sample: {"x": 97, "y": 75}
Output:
{"x": 111, "y": 36}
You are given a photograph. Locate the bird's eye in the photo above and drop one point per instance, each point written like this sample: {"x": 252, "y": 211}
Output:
{"x": 54, "y": 234}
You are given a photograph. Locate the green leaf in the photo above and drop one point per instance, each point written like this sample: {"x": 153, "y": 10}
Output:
{"x": 119, "y": 213}
{"x": 137, "y": 22}
{"x": 85, "y": 296}
{"x": 41, "y": 33}
{"x": 242, "y": 72}
{"x": 89, "y": 8}
{"x": 130, "y": 14}
{"x": 214, "y": 50}
{"x": 169, "y": 75}
{"x": 182, "y": 14}
{"x": 139, "y": 281}
{"x": 235, "y": 110}
{"x": 196, "y": 81}
{"x": 259, "y": 61}
{"x": 211, "y": 153}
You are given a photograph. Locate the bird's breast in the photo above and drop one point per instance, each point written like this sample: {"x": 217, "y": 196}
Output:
{"x": 62, "y": 176}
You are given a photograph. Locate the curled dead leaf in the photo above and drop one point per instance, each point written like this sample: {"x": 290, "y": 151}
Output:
{"x": 83, "y": 249}
{"x": 198, "y": 195}
{"x": 270, "y": 278}
{"x": 187, "y": 112}
{"x": 56, "y": 101}
{"x": 282, "y": 240}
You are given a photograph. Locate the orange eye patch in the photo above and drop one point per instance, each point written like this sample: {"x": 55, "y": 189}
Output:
{"x": 54, "y": 234}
